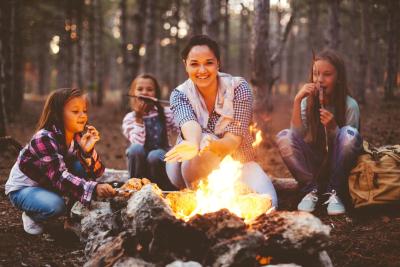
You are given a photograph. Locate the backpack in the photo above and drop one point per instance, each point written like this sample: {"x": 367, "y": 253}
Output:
{"x": 376, "y": 177}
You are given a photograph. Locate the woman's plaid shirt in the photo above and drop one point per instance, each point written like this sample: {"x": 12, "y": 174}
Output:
{"x": 243, "y": 111}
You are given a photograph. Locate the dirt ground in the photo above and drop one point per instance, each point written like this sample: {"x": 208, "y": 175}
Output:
{"x": 366, "y": 238}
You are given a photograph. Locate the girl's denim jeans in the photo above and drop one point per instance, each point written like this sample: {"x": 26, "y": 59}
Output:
{"x": 41, "y": 204}
{"x": 304, "y": 162}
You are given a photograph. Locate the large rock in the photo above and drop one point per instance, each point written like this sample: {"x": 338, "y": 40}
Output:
{"x": 98, "y": 225}
{"x": 296, "y": 236}
{"x": 237, "y": 251}
{"x": 219, "y": 225}
{"x": 113, "y": 175}
{"x": 145, "y": 209}
{"x": 114, "y": 249}
{"x": 175, "y": 240}
{"x": 132, "y": 262}
{"x": 184, "y": 264}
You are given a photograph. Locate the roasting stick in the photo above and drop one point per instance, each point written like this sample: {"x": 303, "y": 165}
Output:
{"x": 321, "y": 92}
{"x": 150, "y": 99}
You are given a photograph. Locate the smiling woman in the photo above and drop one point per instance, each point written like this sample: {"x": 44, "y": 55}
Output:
{"x": 213, "y": 111}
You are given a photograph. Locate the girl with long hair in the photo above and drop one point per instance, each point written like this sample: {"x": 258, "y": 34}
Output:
{"x": 59, "y": 161}
{"x": 323, "y": 142}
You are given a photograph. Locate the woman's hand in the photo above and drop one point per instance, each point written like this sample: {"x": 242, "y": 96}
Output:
{"x": 183, "y": 151}
{"x": 89, "y": 139}
{"x": 105, "y": 191}
{"x": 306, "y": 90}
{"x": 327, "y": 119}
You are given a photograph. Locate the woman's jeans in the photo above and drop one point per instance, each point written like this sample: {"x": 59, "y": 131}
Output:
{"x": 304, "y": 162}
{"x": 149, "y": 164}
{"x": 188, "y": 174}
{"x": 41, "y": 204}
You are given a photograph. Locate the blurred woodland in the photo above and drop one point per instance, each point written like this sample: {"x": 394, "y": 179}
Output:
{"x": 101, "y": 45}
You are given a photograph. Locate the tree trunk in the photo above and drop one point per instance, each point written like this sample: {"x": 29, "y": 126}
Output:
{"x": 3, "y": 113}
{"x": 243, "y": 40}
{"x": 65, "y": 62}
{"x": 363, "y": 52}
{"x": 290, "y": 63}
{"x": 279, "y": 12}
{"x": 212, "y": 16}
{"x": 150, "y": 37}
{"x": 313, "y": 28}
{"x": 17, "y": 89}
{"x": 393, "y": 50}
{"x": 227, "y": 39}
{"x": 261, "y": 64}
{"x": 79, "y": 31}
{"x": 176, "y": 49}
{"x": 131, "y": 58}
{"x": 99, "y": 58}
{"x": 42, "y": 49}
{"x": 332, "y": 36}
{"x": 92, "y": 47}
{"x": 195, "y": 18}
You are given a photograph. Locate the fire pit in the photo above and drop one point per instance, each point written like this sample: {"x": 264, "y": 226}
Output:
{"x": 219, "y": 224}
{"x": 222, "y": 189}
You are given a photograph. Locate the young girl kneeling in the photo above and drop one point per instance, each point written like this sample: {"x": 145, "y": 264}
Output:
{"x": 60, "y": 160}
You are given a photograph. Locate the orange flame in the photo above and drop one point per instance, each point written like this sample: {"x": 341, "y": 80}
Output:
{"x": 258, "y": 135}
{"x": 222, "y": 189}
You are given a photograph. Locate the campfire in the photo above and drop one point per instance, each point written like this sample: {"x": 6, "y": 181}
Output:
{"x": 222, "y": 189}
{"x": 221, "y": 223}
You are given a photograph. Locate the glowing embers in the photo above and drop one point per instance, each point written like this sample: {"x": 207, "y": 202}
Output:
{"x": 222, "y": 189}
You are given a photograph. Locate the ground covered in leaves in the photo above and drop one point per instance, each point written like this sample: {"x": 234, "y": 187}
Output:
{"x": 363, "y": 238}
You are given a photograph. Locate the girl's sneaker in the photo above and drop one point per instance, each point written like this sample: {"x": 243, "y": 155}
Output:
{"x": 308, "y": 202}
{"x": 335, "y": 205}
{"x": 30, "y": 226}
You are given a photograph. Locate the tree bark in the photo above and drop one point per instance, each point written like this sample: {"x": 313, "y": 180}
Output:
{"x": 227, "y": 38}
{"x": 393, "y": 40}
{"x": 290, "y": 60}
{"x": 196, "y": 18}
{"x": 363, "y": 52}
{"x": 131, "y": 58}
{"x": 150, "y": 37}
{"x": 243, "y": 40}
{"x": 92, "y": 46}
{"x": 212, "y": 16}
{"x": 3, "y": 113}
{"x": 313, "y": 28}
{"x": 99, "y": 58}
{"x": 332, "y": 36}
{"x": 65, "y": 62}
{"x": 261, "y": 64}
{"x": 79, "y": 31}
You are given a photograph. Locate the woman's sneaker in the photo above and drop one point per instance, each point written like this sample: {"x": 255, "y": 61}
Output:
{"x": 335, "y": 205}
{"x": 308, "y": 202}
{"x": 30, "y": 226}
